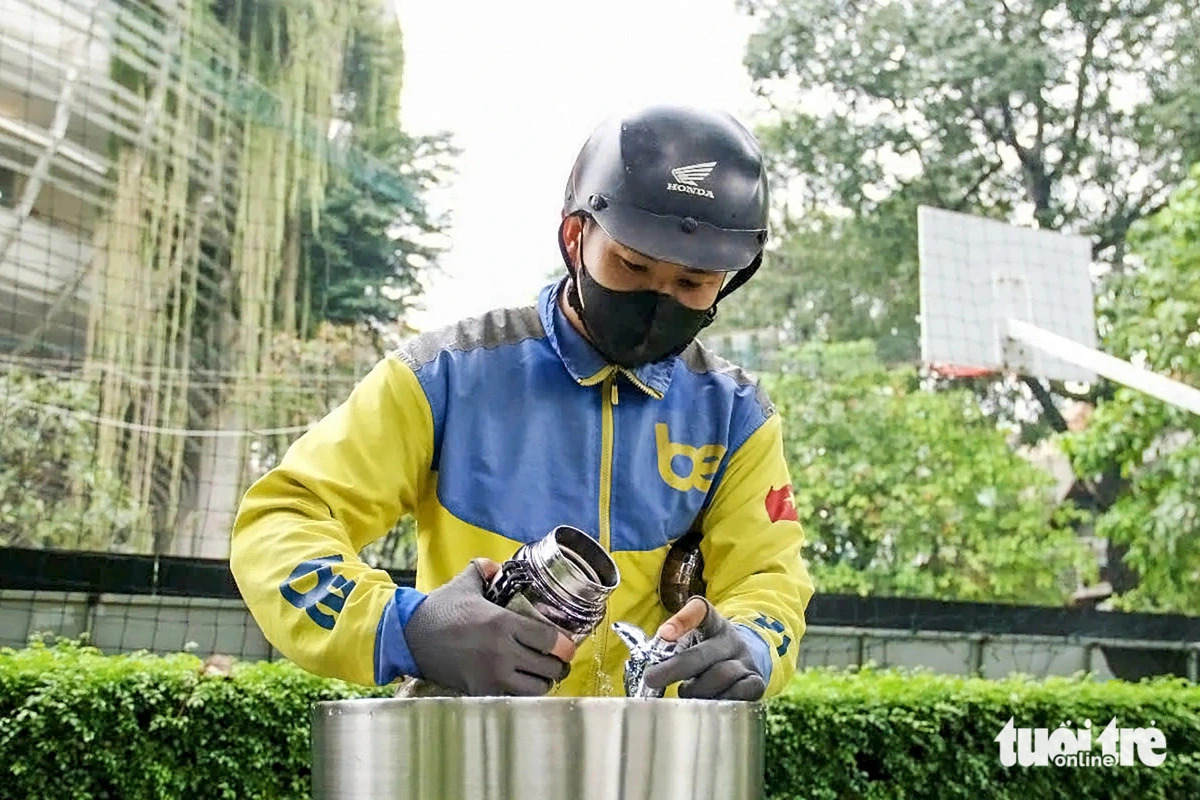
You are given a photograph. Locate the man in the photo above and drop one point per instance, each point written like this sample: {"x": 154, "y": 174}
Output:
{"x": 596, "y": 409}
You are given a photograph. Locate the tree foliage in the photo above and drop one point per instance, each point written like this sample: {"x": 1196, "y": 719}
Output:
{"x": 1152, "y": 315}
{"x": 377, "y": 235}
{"x": 52, "y": 491}
{"x": 838, "y": 279}
{"x": 1076, "y": 114}
{"x": 906, "y": 491}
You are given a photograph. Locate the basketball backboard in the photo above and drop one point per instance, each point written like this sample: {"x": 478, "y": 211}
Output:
{"x": 976, "y": 274}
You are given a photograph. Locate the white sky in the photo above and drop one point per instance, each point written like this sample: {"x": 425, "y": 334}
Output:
{"x": 521, "y": 85}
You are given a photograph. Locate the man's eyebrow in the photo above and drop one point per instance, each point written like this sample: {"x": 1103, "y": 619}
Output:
{"x": 636, "y": 258}
{"x": 700, "y": 273}
{"x": 649, "y": 260}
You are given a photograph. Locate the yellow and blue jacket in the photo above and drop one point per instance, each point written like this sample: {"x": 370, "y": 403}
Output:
{"x": 493, "y": 431}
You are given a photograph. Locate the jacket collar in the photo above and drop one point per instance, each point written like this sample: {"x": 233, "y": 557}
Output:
{"x": 586, "y": 365}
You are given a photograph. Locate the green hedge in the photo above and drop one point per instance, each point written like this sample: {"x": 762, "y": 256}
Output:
{"x": 77, "y": 724}
{"x": 894, "y": 735}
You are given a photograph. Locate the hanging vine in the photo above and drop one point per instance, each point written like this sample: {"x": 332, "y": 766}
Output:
{"x": 199, "y": 265}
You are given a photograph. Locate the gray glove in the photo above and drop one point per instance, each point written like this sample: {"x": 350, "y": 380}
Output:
{"x": 719, "y": 667}
{"x": 461, "y": 640}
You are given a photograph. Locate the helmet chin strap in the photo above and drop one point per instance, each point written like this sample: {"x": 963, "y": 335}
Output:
{"x": 740, "y": 277}
{"x": 573, "y": 295}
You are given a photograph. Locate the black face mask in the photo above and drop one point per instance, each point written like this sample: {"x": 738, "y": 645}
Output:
{"x": 633, "y": 328}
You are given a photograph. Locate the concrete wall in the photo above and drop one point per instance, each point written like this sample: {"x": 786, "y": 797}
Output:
{"x": 955, "y": 653}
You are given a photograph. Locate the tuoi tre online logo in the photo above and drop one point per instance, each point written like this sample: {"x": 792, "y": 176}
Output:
{"x": 1068, "y": 747}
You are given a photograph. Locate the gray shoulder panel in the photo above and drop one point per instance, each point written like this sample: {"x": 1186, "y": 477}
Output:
{"x": 702, "y": 361}
{"x": 496, "y": 328}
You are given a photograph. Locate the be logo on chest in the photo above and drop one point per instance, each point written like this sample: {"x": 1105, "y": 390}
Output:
{"x": 685, "y": 467}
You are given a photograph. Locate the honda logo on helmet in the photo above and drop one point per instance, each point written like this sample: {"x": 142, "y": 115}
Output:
{"x": 690, "y": 177}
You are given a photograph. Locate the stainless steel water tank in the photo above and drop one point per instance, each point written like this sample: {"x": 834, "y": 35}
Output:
{"x": 537, "y": 749}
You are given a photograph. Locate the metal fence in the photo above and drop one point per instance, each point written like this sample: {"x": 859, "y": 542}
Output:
{"x": 167, "y": 605}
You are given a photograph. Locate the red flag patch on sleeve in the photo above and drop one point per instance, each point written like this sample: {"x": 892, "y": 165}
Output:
{"x": 780, "y": 505}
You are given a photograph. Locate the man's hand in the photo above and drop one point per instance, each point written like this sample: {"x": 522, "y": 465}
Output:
{"x": 461, "y": 640}
{"x": 719, "y": 667}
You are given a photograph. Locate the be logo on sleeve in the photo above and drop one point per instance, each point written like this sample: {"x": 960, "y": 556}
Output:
{"x": 314, "y": 588}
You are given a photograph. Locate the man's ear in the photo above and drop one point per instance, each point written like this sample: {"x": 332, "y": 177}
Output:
{"x": 569, "y": 234}
{"x": 572, "y": 226}
{"x": 568, "y": 238}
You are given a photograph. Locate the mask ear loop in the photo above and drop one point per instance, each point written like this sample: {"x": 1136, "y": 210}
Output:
{"x": 574, "y": 296}
{"x": 740, "y": 277}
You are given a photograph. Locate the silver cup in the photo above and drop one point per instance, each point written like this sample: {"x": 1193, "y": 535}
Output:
{"x": 565, "y": 578}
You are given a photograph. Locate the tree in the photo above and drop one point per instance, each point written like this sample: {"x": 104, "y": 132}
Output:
{"x": 1152, "y": 315}
{"x": 838, "y": 279}
{"x": 376, "y": 235}
{"x": 906, "y": 491}
{"x": 1074, "y": 114}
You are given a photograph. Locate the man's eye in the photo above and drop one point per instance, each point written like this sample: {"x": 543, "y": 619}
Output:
{"x": 689, "y": 284}
{"x": 629, "y": 265}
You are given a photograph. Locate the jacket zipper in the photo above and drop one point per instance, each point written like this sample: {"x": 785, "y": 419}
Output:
{"x": 606, "y": 454}
{"x": 609, "y": 394}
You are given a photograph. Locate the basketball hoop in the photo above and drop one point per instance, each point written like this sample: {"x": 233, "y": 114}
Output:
{"x": 960, "y": 371}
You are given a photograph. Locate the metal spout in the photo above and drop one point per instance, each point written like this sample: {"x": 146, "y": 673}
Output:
{"x": 633, "y": 636}
{"x": 644, "y": 652}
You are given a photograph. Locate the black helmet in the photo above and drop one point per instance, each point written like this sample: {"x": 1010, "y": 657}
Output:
{"x": 678, "y": 184}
